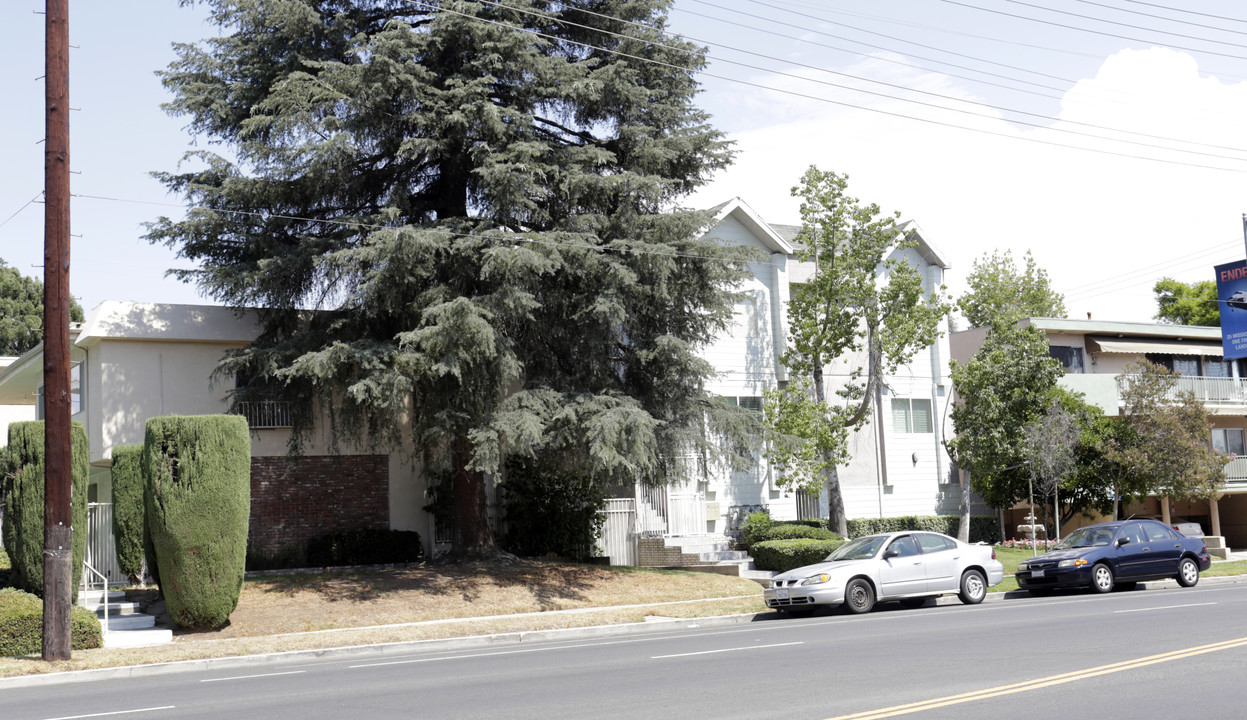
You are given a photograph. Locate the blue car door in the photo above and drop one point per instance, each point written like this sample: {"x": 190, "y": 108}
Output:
{"x": 1133, "y": 558}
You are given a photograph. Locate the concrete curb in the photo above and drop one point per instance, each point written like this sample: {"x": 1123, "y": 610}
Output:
{"x": 652, "y": 625}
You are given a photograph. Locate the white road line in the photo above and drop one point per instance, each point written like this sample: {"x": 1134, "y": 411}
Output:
{"x": 249, "y": 677}
{"x": 1163, "y": 607}
{"x": 115, "y": 712}
{"x": 712, "y": 652}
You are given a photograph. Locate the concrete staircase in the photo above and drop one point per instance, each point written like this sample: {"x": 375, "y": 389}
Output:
{"x": 701, "y": 553}
{"x": 127, "y": 626}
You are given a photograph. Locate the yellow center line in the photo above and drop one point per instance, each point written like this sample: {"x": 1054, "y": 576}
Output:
{"x": 1042, "y": 682}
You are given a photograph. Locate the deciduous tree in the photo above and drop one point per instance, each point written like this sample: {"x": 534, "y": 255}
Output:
{"x": 477, "y": 198}
{"x": 1187, "y": 303}
{"x": 865, "y": 305}
{"x": 21, "y": 311}
{"x": 1002, "y": 293}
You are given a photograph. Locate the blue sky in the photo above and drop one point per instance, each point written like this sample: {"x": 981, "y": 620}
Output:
{"x": 984, "y": 121}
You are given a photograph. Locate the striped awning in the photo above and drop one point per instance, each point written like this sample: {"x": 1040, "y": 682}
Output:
{"x": 1140, "y": 345}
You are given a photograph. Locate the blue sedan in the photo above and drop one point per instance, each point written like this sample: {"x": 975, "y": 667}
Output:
{"x": 1116, "y": 554}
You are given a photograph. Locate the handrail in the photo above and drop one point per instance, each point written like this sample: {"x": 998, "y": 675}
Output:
{"x": 90, "y": 585}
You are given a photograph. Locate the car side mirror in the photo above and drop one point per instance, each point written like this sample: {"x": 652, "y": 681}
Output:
{"x": 1122, "y": 541}
{"x": 891, "y": 553}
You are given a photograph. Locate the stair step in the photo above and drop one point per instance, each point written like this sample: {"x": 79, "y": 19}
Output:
{"x": 129, "y": 622}
{"x": 96, "y": 597}
{"x": 725, "y": 556}
{"x": 137, "y": 638}
{"x": 114, "y": 608}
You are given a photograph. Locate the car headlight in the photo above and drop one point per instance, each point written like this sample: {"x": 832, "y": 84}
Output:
{"x": 1023, "y": 566}
{"x": 816, "y": 579}
{"x": 1076, "y": 562}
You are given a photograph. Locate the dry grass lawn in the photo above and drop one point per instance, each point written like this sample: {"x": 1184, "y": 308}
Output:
{"x": 337, "y": 609}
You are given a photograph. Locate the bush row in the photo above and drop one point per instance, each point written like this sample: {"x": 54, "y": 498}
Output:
{"x": 983, "y": 528}
{"x": 21, "y": 625}
{"x": 759, "y": 527}
{"x": 129, "y": 513}
{"x": 784, "y": 555}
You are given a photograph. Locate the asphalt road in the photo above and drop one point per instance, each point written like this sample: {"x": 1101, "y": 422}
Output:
{"x": 1168, "y": 653}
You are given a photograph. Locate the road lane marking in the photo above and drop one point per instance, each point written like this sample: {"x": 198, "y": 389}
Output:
{"x": 250, "y": 677}
{"x": 115, "y": 712}
{"x": 736, "y": 649}
{"x": 1041, "y": 683}
{"x": 1163, "y": 607}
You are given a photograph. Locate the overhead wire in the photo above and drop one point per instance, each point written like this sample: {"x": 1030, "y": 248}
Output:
{"x": 1187, "y": 11}
{"x": 1023, "y": 3}
{"x": 1164, "y": 17}
{"x": 867, "y": 108}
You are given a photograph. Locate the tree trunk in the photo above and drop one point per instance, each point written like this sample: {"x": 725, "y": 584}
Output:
{"x": 476, "y": 538}
{"x": 837, "y": 522}
{"x": 963, "y": 508}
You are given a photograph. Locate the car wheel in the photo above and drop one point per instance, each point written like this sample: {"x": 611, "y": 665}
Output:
{"x": 1188, "y": 573}
{"x": 913, "y": 603}
{"x": 973, "y": 587}
{"x": 859, "y": 596}
{"x": 1101, "y": 578}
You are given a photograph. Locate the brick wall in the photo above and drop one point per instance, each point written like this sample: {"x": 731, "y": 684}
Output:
{"x": 292, "y": 502}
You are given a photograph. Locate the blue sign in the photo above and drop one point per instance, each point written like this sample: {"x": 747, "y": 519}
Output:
{"x": 1232, "y": 292}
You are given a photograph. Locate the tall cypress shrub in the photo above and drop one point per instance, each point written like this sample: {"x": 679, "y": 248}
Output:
{"x": 23, "y": 504}
{"x": 129, "y": 512}
{"x": 197, "y": 472}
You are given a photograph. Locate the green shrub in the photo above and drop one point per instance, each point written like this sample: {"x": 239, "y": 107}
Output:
{"x": 21, "y": 625}
{"x": 983, "y": 528}
{"x": 550, "y": 510}
{"x": 784, "y": 555}
{"x": 197, "y": 477}
{"x": 129, "y": 516}
{"x": 759, "y": 527}
{"x": 23, "y": 504}
{"x": 753, "y": 527}
{"x": 365, "y": 546}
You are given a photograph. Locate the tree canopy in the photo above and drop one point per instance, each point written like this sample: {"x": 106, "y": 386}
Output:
{"x": 1187, "y": 303}
{"x": 1008, "y": 384}
{"x": 865, "y": 305}
{"x": 21, "y": 311}
{"x": 477, "y": 201}
{"x": 1000, "y": 292}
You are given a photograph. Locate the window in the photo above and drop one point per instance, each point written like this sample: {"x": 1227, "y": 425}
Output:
{"x": 1216, "y": 367}
{"x": 904, "y": 546}
{"x": 1157, "y": 533}
{"x": 1070, "y": 358}
{"x": 1188, "y": 365}
{"x": 911, "y": 415}
{"x": 1228, "y": 440}
{"x": 748, "y": 402}
{"x": 75, "y": 393}
{"x": 934, "y": 543}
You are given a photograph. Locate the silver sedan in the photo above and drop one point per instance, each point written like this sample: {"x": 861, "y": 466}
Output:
{"x": 911, "y": 567}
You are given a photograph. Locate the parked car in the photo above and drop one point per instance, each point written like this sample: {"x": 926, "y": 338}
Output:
{"x": 912, "y": 567}
{"x": 1189, "y": 529}
{"x": 1115, "y": 554}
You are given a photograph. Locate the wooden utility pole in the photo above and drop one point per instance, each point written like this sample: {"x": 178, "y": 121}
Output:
{"x": 58, "y": 550}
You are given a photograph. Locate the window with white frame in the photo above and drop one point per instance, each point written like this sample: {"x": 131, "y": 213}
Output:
{"x": 75, "y": 393}
{"x": 1228, "y": 440}
{"x": 911, "y": 415}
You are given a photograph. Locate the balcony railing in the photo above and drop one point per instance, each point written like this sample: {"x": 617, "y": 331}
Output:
{"x": 1212, "y": 391}
{"x": 265, "y": 413}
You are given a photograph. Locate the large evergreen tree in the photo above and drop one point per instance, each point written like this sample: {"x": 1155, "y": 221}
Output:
{"x": 478, "y": 200}
{"x": 21, "y": 311}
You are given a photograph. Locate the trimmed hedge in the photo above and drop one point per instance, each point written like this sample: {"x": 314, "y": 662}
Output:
{"x": 759, "y": 527}
{"x": 365, "y": 546}
{"x": 983, "y": 528}
{"x": 23, "y": 504}
{"x": 129, "y": 513}
{"x": 784, "y": 555}
{"x": 197, "y": 477}
{"x": 21, "y": 625}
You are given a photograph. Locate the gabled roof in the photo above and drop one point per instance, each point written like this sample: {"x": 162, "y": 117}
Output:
{"x": 746, "y": 216}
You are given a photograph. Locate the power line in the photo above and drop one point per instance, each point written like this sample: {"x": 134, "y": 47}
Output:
{"x": 1163, "y": 17}
{"x": 1189, "y": 12}
{"x": 29, "y": 202}
{"x": 1126, "y": 25}
{"x": 863, "y": 107}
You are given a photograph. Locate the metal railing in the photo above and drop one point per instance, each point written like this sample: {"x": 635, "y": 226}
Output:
{"x": 89, "y": 584}
{"x": 265, "y": 413}
{"x": 1210, "y": 390}
{"x": 618, "y": 540}
{"x": 101, "y": 548}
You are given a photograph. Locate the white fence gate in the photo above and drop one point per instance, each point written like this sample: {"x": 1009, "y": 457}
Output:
{"x": 618, "y": 541}
{"x": 101, "y": 551}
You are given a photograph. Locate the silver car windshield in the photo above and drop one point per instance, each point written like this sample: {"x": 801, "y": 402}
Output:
{"x": 859, "y": 549}
{"x": 1087, "y": 537}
